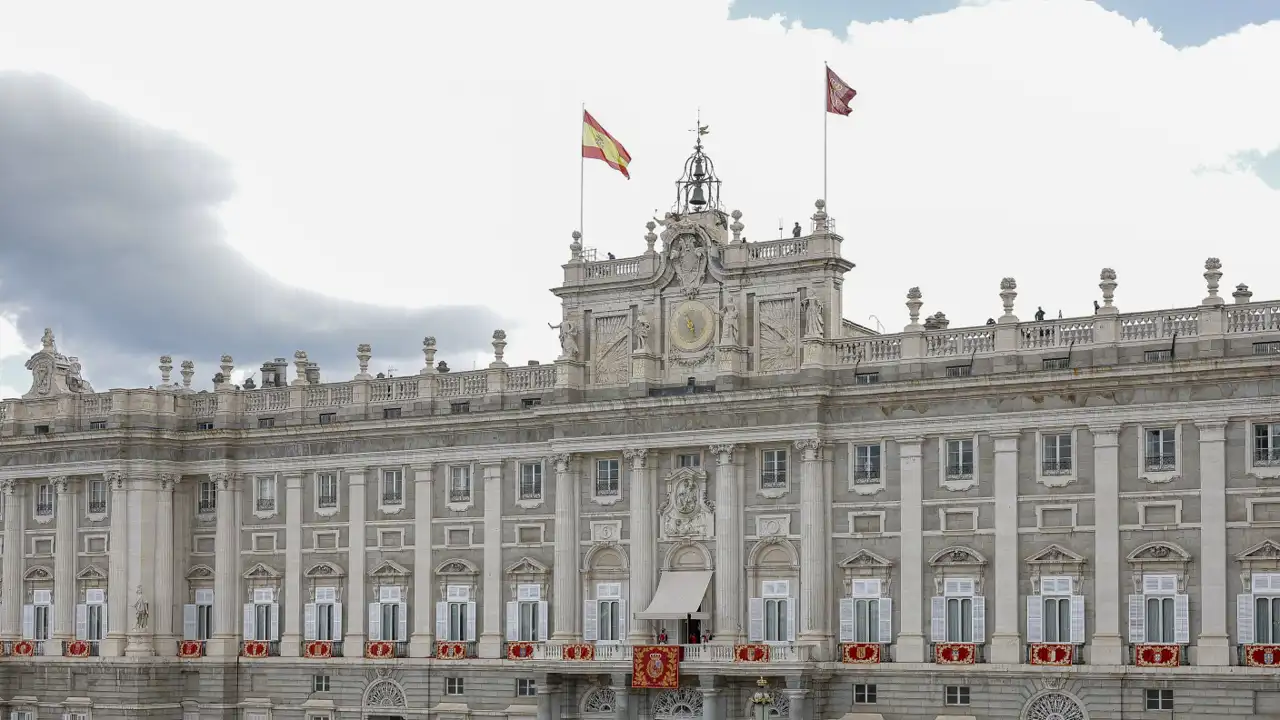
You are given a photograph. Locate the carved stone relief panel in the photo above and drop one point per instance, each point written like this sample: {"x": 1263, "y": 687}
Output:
{"x": 611, "y": 350}
{"x": 776, "y": 334}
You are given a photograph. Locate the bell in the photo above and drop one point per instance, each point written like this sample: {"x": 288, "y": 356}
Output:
{"x": 699, "y": 170}
{"x": 697, "y": 199}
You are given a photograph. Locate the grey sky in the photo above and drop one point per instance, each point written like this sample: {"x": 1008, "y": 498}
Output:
{"x": 108, "y": 233}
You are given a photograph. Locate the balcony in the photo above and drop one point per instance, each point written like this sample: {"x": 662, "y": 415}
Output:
{"x": 321, "y": 649}
{"x": 79, "y": 648}
{"x": 1157, "y": 655}
{"x": 207, "y": 506}
{"x": 962, "y": 471}
{"x": 1054, "y": 654}
{"x": 386, "y": 649}
{"x": 392, "y": 497}
{"x": 1258, "y": 655}
{"x": 1059, "y": 466}
{"x": 265, "y": 504}
{"x": 191, "y": 649}
{"x": 1160, "y": 463}
{"x": 455, "y": 650}
{"x": 254, "y": 649}
{"x": 867, "y": 476}
{"x": 958, "y": 653}
{"x": 44, "y": 509}
{"x": 714, "y": 653}
{"x": 459, "y": 495}
{"x": 97, "y": 507}
{"x": 1264, "y": 457}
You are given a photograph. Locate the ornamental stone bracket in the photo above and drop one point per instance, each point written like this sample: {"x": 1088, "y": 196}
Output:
{"x": 687, "y": 513}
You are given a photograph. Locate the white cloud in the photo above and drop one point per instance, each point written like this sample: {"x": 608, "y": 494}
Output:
{"x": 422, "y": 153}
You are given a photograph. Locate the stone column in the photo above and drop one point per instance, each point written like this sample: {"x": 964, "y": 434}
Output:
{"x": 165, "y": 643}
{"x": 138, "y": 639}
{"x": 546, "y": 694}
{"x": 621, "y": 690}
{"x": 422, "y": 640}
{"x": 1108, "y": 645}
{"x": 798, "y": 698}
{"x": 117, "y": 568}
{"x": 227, "y": 623}
{"x": 1006, "y": 641}
{"x": 491, "y": 635}
{"x": 911, "y": 637}
{"x": 564, "y": 569}
{"x": 64, "y": 563}
{"x": 11, "y": 609}
{"x": 814, "y": 541}
{"x": 294, "y": 597}
{"x": 711, "y": 697}
{"x": 642, "y": 544}
{"x": 357, "y": 601}
{"x": 1214, "y": 645}
{"x": 729, "y": 567}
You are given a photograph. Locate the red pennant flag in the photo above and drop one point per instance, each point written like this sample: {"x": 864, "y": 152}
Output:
{"x": 838, "y": 94}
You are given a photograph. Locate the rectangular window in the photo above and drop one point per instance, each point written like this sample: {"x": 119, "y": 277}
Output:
{"x": 527, "y": 604}
{"x": 1159, "y": 699}
{"x": 773, "y": 469}
{"x": 97, "y": 497}
{"x": 319, "y": 683}
{"x": 328, "y": 614}
{"x": 41, "y": 430}
{"x": 391, "y": 617}
{"x": 392, "y": 487}
{"x": 1057, "y": 619}
{"x": 866, "y": 378}
{"x": 1267, "y": 348}
{"x": 328, "y": 418}
{"x": 608, "y": 478}
{"x": 959, "y": 459}
{"x": 390, "y": 413}
{"x": 607, "y": 620}
{"x": 530, "y": 403}
{"x": 1157, "y": 355}
{"x": 454, "y": 686}
{"x": 44, "y": 620}
{"x": 692, "y": 460}
{"x": 44, "y": 500}
{"x": 866, "y": 468}
{"x": 1057, "y": 453}
{"x": 207, "y": 501}
{"x": 261, "y": 621}
{"x": 204, "y": 614}
{"x": 265, "y": 492}
{"x": 1160, "y": 612}
{"x": 1160, "y": 450}
{"x": 960, "y": 619}
{"x": 95, "y": 617}
{"x": 866, "y": 620}
{"x": 1266, "y": 445}
{"x": 204, "y": 426}
{"x": 264, "y": 423}
{"x": 959, "y": 371}
{"x": 459, "y": 483}
{"x": 776, "y": 619}
{"x": 97, "y": 424}
{"x": 459, "y": 408}
{"x": 457, "y": 621}
{"x": 864, "y": 694}
{"x": 526, "y": 687}
{"x": 1055, "y": 363}
{"x": 1266, "y": 620}
{"x": 956, "y": 695}
{"x": 327, "y": 490}
{"x": 531, "y": 481}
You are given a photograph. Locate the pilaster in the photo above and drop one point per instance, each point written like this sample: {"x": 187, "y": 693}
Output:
{"x": 814, "y": 541}
{"x": 357, "y": 599}
{"x": 226, "y": 569}
{"x": 11, "y": 609}
{"x": 117, "y": 568}
{"x": 1213, "y": 644}
{"x": 729, "y": 584}
{"x": 1006, "y": 642}
{"x": 911, "y": 637}
{"x": 64, "y": 562}
{"x": 1108, "y": 645}
{"x": 141, "y": 531}
{"x": 165, "y": 642}
{"x": 422, "y": 640}
{"x": 622, "y": 693}
{"x": 491, "y": 630}
{"x": 564, "y": 570}
{"x": 642, "y": 542}
{"x": 294, "y": 599}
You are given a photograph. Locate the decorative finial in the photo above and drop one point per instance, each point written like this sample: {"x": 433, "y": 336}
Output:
{"x": 166, "y": 369}
{"x": 429, "y": 354}
{"x": 913, "y": 305}
{"x": 363, "y": 352}
{"x": 46, "y": 341}
{"x": 1008, "y": 293}
{"x": 1242, "y": 294}
{"x": 1212, "y": 274}
{"x": 227, "y": 366}
{"x": 188, "y": 371}
{"x": 499, "y": 346}
{"x": 736, "y": 226}
{"x": 1108, "y": 286}
{"x": 575, "y": 247}
{"x": 299, "y": 368}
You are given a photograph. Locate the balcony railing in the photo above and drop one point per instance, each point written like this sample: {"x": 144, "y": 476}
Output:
{"x": 866, "y": 475}
{"x": 1060, "y": 466}
{"x": 392, "y": 497}
{"x": 773, "y": 479}
{"x": 259, "y": 648}
{"x": 606, "y": 488}
{"x": 327, "y": 501}
{"x": 1052, "y": 654}
{"x": 1160, "y": 463}
{"x": 44, "y": 509}
{"x": 320, "y": 649}
{"x": 265, "y": 504}
{"x": 459, "y": 495}
{"x": 699, "y": 653}
{"x": 207, "y": 506}
{"x": 1157, "y": 654}
{"x": 97, "y": 507}
{"x": 963, "y": 471}
{"x": 80, "y": 648}
{"x": 1264, "y": 457}
{"x": 955, "y": 653}
{"x": 453, "y": 650}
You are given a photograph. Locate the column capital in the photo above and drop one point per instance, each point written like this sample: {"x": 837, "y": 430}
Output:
{"x": 226, "y": 480}
{"x": 909, "y": 446}
{"x": 1105, "y": 435}
{"x": 637, "y": 457}
{"x": 561, "y": 461}
{"x": 8, "y": 486}
{"x": 809, "y": 447}
{"x": 1212, "y": 431}
{"x": 61, "y": 484}
{"x": 724, "y": 453}
{"x": 355, "y": 476}
{"x": 169, "y": 482}
{"x": 1006, "y": 442}
{"x": 423, "y": 472}
{"x": 115, "y": 480}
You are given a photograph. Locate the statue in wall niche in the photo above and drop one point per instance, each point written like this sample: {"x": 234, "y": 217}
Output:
{"x": 641, "y": 330}
{"x": 729, "y": 324}
{"x": 568, "y": 339}
{"x": 142, "y": 611}
{"x": 814, "y": 326}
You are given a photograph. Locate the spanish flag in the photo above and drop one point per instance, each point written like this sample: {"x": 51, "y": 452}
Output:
{"x": 599, "y": 144}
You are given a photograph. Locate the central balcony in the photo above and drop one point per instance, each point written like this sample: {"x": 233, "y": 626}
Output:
{"x": 714, "y": 653}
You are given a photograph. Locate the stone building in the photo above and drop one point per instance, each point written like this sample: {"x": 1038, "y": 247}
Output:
{"x": 1051, "y": 519}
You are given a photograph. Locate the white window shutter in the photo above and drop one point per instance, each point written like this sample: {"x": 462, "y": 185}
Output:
{"x": 249, "y": 621}
{"x": 337, "y": 621}
{"x": 755, "y": 620}
{"x": 442, "y": 620}
{"x": 1244, "y": 619}
{"x": 590, "y": 620}
{"x": 1181, "y": 619}
{"x": 471, "y": 621}
{"x": 1035, "y": 619}
{"x": 846, "y": 620}
{"x": 190, "y": 622}
{"x": 1150, "y": 584}
{"x": 791, "y": 619}
{"x": 886, "y": 619}
{"x": 1077, "y": 619}
{"x": 375, "y": 621}
{"x": 402, "y": 622}
{"x": 309, "y": 621}
{"x": 1137, "y": 619}
{"x": 28, "y": 622}
{"x": 105, "y": 615}
{"x": 82, "y": 622}
{"x": 513, "y": 621}
{"x": 622, "y": 621}
{"x": 274, "y": 615}
{"x": 979, "y": 619}
{"x": 938, "y": 620}
{"x": 542, "y": 619}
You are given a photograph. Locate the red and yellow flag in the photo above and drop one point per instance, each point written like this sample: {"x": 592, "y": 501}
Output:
{"x": 599, "y": 144}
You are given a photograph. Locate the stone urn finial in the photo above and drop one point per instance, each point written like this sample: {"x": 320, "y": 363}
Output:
{"x": 575, "y": 247}
{"x": 821, "y": 222}
{"x": 227, "y": 365}
{"x": 299, "y": 367}
{"x": 429, "y": 355}
{"x": 914, "y": 303}
{"x": 1212, "y": 274}
{"x": 1108, "y": 286}
{"x": 364, "y": 351}
{"x": 649, "y": 237}
{"x": 166, "y": 370}
{"x": 736, "y": 226}
{"x": 188, "y": 372}
{"x": 1008, "y": 293}
{"x": 499, "y": 347}
{"x": 1242, "y": 294}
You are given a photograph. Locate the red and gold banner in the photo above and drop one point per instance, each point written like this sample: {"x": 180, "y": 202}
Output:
{"x": 190, "y": 649}
{"x": 955, "y": 653}
{"x": 78, "y": 649}
{"x": 579, "y": 651}
{"x": 753, "y": 653}
{"x": 655, "y": 666}
{"x": 1050, "y": 654}
{"x": 1262, "y": 655}
{"x": 451, "y": 650}
{"x": 253, "y": 649}
{"x": 1157, "y": 655}
{"x": 519, "y": 650}
{"x": 318, "y": 649}
{"x": 860, "y": 653}
{"x": 24, "y": 648}
{"x": 378, "y": 649}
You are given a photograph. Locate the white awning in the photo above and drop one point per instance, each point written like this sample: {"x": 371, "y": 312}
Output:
{"x": 679, "y": 595}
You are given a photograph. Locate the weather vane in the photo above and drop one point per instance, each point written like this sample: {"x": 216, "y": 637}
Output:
{"x": 699, "y": 128}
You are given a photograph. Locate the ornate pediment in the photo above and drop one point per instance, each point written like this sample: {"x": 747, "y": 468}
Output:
{"x": 1055, "y": 555}
{"x": 1159, "y": 552}
{"x": 389, "y": 569}
{"x": 686, "y": 512}
{"x": 324, "y": 570}
{"x": 957, "y": 556}
{"x": 457, "y": 566}
{"x": 864, "y": 565}
{"x": 39, "y": 572}
{"x": 91, "y": 573}
{"x": 261, "y": 571}
{"x": 865, "y": 559}
{"x": 200, "y": 572}
{"x": 1265, "y": 551}
{"x": 527, "y": 566}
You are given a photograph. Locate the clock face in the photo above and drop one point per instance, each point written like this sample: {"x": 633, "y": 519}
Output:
{"x": 692, "y": 326}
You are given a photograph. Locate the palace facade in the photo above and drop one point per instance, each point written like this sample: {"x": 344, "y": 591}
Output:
{"x": 720, "y": 493}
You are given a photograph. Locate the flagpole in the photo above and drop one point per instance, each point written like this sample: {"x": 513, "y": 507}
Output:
{"x": 582, "y": 163}
{"x": 826, "y": 89}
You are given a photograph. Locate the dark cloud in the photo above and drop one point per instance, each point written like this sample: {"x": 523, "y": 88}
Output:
{"x": 108, "y": 233}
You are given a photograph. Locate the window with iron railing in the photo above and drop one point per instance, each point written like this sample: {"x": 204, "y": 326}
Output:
{"x": 460, "y": 483}
{"x": 327, "y": 490}
{"x": 1057, "y": 453}
{"x": 773, "y": 469}
{"x": 1161, "y": 450}
{"x": 392, "y": 487}
{"x": 1266, "y": 444}
{"x": 959, "y": 459}
{"x": 265, "y": 493}
{"x": 97, "y": 497}
{"x": 608, "y": 477}
{"x": 531, "y": 481}
{"x": 866, "y": 468}
{"x": 44, "y": 500}
{"x": 207, "y": 500}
